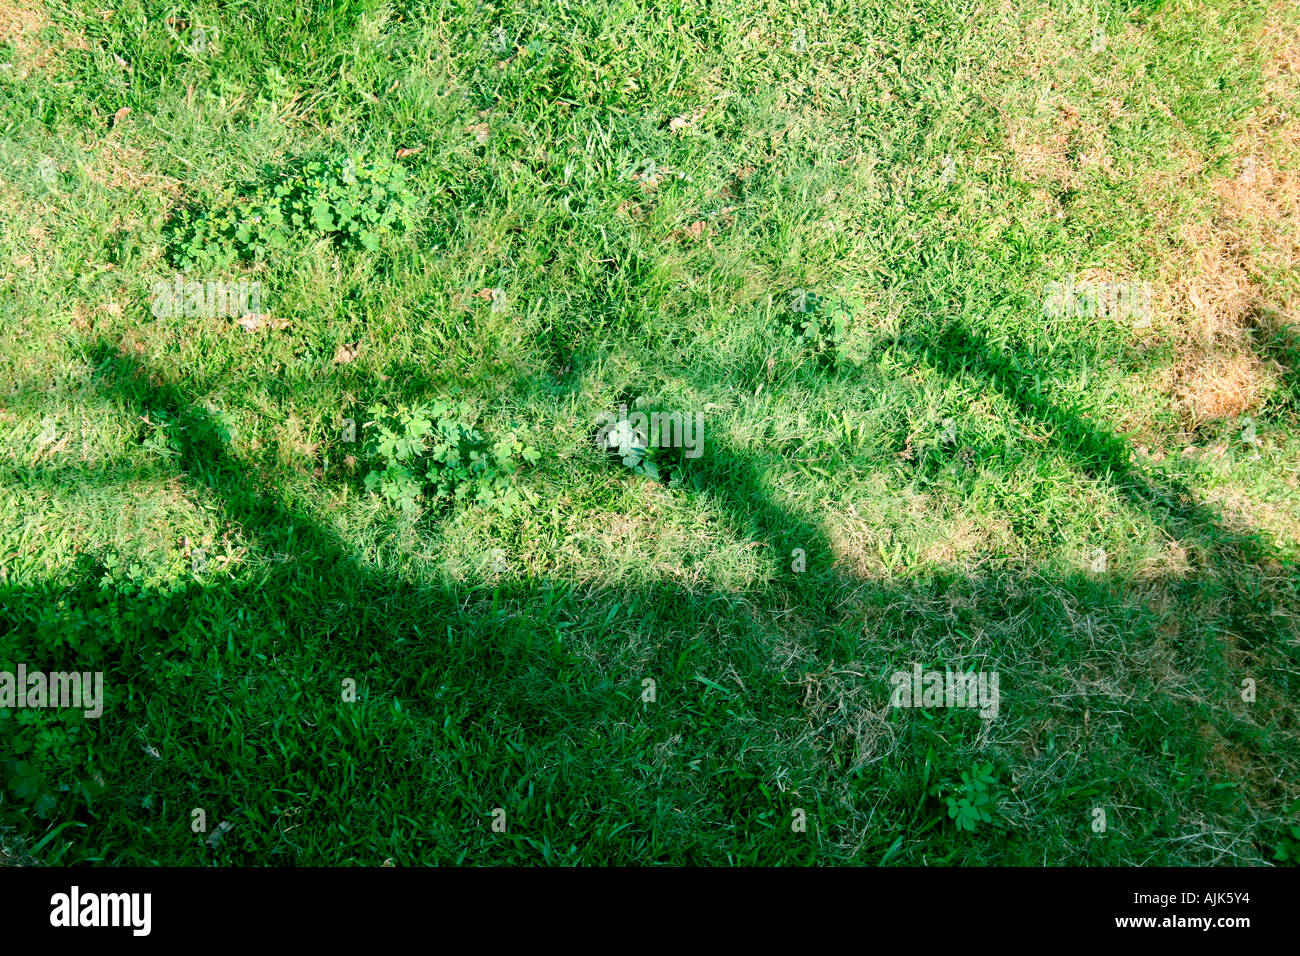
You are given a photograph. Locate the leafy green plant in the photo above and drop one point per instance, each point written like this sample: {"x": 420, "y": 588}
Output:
{"x": 120, "y": 603}
{"x": 813, "y": 324}
{"x": 656, "y": 463}
{"x": 1287, "y": 849}
{"x": 119, "y": 606}
{"x": 49, "y": 760}
{"x": 632, "y": 449}
{"x": 434, "y": 453}
{"x": 969, "y": 802}
{"x": 355, "y": 200}
{"x": 639, "y": 449}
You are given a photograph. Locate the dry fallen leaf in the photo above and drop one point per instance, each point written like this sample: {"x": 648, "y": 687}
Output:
{"x": 262, "y": 320}
{"x": 408, "y": 151}
{"x": 482, "y": 133}
{"x": 346, "y": 353}
{"x": 485, "y": 294}
{"x": 686, "y": 120}
{"x": 215, "y": 837}
{"x": 120, "y": 115}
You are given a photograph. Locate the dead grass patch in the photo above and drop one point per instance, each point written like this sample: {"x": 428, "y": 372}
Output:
{"x": 22, "y": 23}
{"x": 1236, "y": 272}
{"x": 1221, "y": 384}
{"x": 120, "y": 167}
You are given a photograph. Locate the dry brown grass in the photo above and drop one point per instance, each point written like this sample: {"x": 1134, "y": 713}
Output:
{"x": 1235, "y": 273}
{"x": 122, "y": 167}
{"x": 1224, "y": 381}
{"x": 21, "y": 24}
{"x": 1225, "y": 280}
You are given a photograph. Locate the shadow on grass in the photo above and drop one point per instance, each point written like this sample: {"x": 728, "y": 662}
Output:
{"x": 1232, "y": 556}
{"x": 528, "y": 694}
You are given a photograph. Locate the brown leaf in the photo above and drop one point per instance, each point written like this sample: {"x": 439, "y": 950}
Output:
{"x": 262, "y": 320}
{"x": 686, "y": 120}
{"x": 120, "y": 115}
{"x": 346, "y": 353}
{"x": 408, "y": 151}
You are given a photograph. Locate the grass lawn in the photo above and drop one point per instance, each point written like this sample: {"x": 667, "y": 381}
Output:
{"x": 985, "y": 312}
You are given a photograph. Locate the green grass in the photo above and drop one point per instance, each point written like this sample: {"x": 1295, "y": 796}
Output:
{"x": 949, "y": 465}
